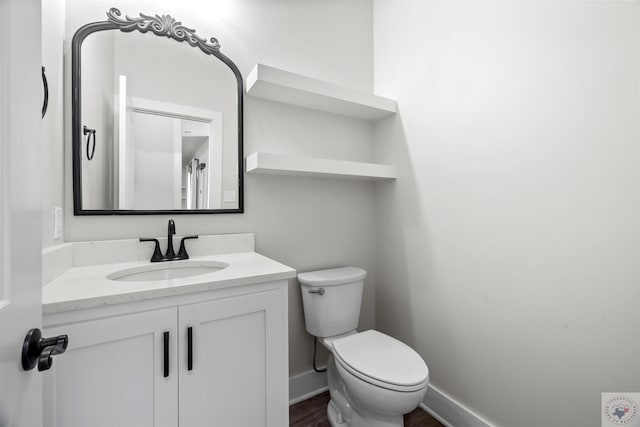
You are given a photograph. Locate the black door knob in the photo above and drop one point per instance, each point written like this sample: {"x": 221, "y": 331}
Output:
{"x": 37, "y": 350}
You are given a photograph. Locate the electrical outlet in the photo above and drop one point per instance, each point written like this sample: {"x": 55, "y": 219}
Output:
{"x": 229, "y": 196}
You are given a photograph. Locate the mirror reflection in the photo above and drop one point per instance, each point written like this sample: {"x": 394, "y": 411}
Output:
{"x": 159, "y": 126}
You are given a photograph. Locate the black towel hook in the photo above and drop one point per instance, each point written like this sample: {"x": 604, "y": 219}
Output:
{"x": 90, "y": 132}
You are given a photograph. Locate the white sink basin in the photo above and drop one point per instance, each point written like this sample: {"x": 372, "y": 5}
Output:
{"x": 167, "y": 271}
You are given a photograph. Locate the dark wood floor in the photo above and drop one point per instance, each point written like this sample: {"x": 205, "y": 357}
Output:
{"x": 313, "y": 413}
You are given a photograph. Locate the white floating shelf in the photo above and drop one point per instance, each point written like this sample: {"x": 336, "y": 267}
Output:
{"x": 281, "y": 164}
{"x": 291, "y": 88}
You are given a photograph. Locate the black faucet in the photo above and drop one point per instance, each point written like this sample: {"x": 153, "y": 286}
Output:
{"x": 171, "y": 230}
{"x": 170, "y": 255}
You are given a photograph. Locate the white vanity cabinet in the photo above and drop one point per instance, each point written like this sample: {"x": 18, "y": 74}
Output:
{"x": 113, "y": 372}
{"x": 238, "y": 376}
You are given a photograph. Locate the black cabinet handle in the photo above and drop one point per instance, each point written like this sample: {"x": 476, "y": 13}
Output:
{"x": 189, "y": 348}
{"x": 166, "y": 353}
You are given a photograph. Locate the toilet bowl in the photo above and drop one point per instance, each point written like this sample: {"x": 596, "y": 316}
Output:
{"x": 373, "y": 378}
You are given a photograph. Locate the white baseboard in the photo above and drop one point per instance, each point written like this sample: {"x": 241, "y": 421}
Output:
{"x": 450, "y": 412}
{"x": 306, "y": 385}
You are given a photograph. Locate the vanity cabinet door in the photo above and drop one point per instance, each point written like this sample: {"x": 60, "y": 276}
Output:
{"x": 113, "y": 373}
{"x": 239, "y": 372}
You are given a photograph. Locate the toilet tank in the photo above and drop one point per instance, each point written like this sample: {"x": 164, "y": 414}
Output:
{"x": 331, "y": 300}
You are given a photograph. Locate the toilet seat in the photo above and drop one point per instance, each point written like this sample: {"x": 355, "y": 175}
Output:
{"x": 381, "y": 360}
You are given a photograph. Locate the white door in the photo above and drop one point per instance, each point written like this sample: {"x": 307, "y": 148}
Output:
{"x": 20, "y": 204}
{"x": 238, "y": 371}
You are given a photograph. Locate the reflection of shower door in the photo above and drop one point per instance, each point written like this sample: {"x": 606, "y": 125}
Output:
{"x": 202, "y": 181}
{"x": 197, "y": 185}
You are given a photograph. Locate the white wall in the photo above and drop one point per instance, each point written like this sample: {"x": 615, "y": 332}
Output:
{"x": 53, "y": 123}
{"x": 508, "y": 249}
{"x": 306, "y": 223}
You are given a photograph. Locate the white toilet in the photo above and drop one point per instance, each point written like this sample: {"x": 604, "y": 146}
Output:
{"x": 373, "y": 378}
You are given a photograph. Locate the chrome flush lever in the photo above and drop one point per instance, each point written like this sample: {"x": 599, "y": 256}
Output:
{"x": 317, "y": 291}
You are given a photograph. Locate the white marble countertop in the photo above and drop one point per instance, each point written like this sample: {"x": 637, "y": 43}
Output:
{"x": 87, "y": 286}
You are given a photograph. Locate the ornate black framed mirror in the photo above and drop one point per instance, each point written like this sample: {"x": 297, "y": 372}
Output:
{"x": 157, "y": 125}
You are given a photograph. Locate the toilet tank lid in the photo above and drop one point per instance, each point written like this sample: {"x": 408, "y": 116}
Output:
{"x": 333, "y": 276}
